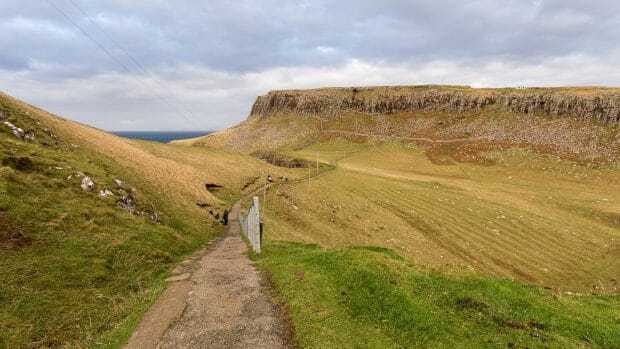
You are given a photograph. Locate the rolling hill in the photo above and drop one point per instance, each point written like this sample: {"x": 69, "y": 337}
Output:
{"x": 517, "y": 183}
{"x": 438, "y": 216}
{"x": 80, "y": 266}
{"x": 516, "y": 187}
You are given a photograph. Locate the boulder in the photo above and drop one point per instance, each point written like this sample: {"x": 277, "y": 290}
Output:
{"x": 127, "y": 202}
{"x": 88, "y": 184}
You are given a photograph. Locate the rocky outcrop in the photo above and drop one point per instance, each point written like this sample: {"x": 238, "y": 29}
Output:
{"x": 602, "y": 106}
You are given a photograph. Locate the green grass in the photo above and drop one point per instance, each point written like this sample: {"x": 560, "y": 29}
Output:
{"x": 78, "y": 271}
{"x": 532, "y": 217}
{"x": 368, "y": 297}
{"x": 90, "y": 266}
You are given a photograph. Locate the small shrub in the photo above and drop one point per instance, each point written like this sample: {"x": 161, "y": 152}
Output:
{"x": 22, "y": 164}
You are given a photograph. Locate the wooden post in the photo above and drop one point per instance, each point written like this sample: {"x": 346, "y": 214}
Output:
{"x": 256, "y": 225}
{"x": 317, "y": 162}
{"x": 265, "y": 193}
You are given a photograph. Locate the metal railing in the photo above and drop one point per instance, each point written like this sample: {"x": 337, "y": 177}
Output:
{"x": 250, "y": 225}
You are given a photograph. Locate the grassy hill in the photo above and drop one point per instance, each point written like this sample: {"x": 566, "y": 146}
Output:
{"x": 454, "y": 221}
{"x": 77, "y": 269}
{"x": 441, "y": 227}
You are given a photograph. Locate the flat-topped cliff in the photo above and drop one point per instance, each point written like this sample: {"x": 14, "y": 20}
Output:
{"x": 596, "y": 104}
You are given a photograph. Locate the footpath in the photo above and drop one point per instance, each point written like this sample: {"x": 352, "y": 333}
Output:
{"x": 217, "y": 299}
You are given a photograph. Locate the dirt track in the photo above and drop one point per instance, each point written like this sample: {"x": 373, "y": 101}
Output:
{"x": 226, "y": 304}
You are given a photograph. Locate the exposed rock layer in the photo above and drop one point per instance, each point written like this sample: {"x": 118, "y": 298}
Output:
{"x": 598, "y": 105}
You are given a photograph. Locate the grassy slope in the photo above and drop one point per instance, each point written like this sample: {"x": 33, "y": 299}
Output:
{"x": 543, "y": 210}
{"x": 370, "y": 298}
{"x": 77, "y": 270}
{"x": 529, "y": 217}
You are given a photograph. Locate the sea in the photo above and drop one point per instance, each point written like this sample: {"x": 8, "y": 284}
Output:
{"x": 161, "y": 136}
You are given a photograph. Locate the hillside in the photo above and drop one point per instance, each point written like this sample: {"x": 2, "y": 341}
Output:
{"x": 578, "y": 123}
{"x": 431, "y": 171}
{"x": 91, "y": 224}
{"x": 469, "y": 202}
{"x": 502, "y": 203}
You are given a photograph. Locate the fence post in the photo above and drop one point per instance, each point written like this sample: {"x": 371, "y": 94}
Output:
{"x": 256, "y": 225}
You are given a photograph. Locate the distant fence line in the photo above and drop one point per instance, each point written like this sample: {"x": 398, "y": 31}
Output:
{"x": 250, "y": 225}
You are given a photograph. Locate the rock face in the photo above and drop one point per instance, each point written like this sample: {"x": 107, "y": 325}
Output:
{"x": 602, "y": 106}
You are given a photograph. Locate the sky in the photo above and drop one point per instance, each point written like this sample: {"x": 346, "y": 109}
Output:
{"x": 200, "y": 64}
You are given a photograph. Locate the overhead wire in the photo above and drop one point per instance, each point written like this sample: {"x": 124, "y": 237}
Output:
{"x": 114, "y": 58}
{"x": 120, "y": 47}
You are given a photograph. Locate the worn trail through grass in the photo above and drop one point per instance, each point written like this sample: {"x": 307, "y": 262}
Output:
{"x": 227, "y": 304}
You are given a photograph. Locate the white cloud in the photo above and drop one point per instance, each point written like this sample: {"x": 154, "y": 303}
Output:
{"x": 195, "y": 97}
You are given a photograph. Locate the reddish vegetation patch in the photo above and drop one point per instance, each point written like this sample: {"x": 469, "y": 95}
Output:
{"x": 10, "y": 237}
{"x": 353, "y": 138}
{"x": 469, "y": 151}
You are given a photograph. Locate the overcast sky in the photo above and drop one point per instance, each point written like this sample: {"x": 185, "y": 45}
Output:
{"x": 199, "y": 64}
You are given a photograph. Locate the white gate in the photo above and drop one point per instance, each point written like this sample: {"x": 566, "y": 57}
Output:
{"x": 250, "y": 225}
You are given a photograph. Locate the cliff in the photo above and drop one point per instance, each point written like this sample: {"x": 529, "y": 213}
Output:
{"x": 595, "y": 104}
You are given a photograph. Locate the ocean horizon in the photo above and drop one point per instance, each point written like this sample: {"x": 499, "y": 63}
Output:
{"x": 160, "y": 136}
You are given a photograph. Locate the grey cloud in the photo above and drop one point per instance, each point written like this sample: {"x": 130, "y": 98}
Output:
{"x": 251, "y": 35}
{"x": 211, "y": 49}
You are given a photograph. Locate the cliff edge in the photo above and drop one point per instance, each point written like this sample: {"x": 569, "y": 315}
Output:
{"x": 597, "y": 104}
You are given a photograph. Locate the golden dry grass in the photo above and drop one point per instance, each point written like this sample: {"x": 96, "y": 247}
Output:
{"x": 531, "y": 217}
{"x": 175, "y": 171}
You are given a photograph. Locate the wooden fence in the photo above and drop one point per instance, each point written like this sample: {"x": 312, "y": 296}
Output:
{"x": 250, "y": 225}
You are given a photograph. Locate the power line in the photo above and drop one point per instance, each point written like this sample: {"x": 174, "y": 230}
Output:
{"x": 115, "y": 59}
{"x": 88, "y": 36}
{"x": 141, "y": 67}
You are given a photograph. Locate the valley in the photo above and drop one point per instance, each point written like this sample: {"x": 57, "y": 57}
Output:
{"x": 405, "y": 216}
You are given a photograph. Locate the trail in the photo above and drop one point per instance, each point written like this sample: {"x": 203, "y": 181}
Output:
{"x": 225, "y": 303}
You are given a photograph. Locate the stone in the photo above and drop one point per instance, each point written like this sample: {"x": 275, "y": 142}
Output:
{"x": 127, "y": 202}
{"x": 155, "y": 217}
{"x": 105, "y": 193}
{"x": 30, "y": 137}
{"x": 17, "y": 131}
{"x": 119, "y": 183}
{"x": 88, "y": 184}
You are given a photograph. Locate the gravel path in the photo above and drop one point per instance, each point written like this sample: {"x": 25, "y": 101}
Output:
{"x": 228, "y": 305}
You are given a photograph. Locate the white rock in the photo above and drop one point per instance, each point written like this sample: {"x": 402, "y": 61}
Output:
{"x": 30, "y": 137}
{"x": 105, "y": 193}
{"x": 88, "y": 184}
